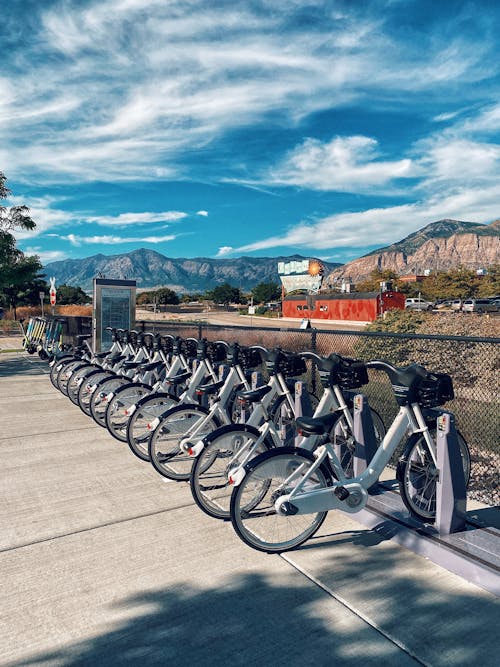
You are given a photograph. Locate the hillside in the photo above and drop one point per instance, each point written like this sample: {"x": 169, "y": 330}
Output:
{"x": 152, "y": 269}
{"x": 439, "y": 246}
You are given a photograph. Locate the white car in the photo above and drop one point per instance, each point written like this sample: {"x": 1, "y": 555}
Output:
{"x": 418, "y": 304}
{"x": 479, "y": 306}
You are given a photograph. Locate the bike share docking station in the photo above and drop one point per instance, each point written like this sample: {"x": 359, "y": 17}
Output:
{"x": 464, "y": 543}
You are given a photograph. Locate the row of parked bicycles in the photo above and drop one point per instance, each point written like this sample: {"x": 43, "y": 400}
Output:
{"x": 255, "y": 444}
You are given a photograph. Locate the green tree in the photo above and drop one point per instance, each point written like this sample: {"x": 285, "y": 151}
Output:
{"x": 372, "y": 284}
{"x": 67, "y": 294}
{"x": 225, "y": 294}
{"x": 20, "y": 276}
{"x": 161, "y": 296}
{"x": 165, "y": 296}
{"x": 266, "y": 292}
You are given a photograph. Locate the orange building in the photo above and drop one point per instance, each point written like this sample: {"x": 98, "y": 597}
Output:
{"x": 353, "y": 306}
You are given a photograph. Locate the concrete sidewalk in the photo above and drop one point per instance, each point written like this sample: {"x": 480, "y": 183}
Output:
{"x": 103, "y": 562}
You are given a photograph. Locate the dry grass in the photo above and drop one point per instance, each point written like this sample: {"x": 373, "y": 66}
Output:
{"x": 25, "y": 312}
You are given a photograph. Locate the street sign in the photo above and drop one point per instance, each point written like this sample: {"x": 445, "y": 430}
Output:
{"x": 52, "y": 292}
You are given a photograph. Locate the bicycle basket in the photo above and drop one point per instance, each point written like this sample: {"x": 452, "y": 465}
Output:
{"x": 217, "y": 352}
{"x": 189, "y": 348}
{"x": 434, "y": 390}
{"x": 249, "y": 358}
{"x": 351, "y": 374}
{"x": 293, "y": 366}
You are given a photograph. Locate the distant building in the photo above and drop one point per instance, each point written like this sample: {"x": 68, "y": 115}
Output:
{"x": 354, "y": 306}
{"x": 412, "y": 278}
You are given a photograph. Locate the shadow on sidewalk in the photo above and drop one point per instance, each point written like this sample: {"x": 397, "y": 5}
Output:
{"x": 12, "y": 364}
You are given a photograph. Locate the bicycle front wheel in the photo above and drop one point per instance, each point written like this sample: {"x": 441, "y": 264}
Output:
{"x": 57, "y": 366}
{"x": 224, "y": 450}
{"x": 99, "y": 400}
{"x": 117, "y": 410}
{"x": 417, "y": 475}
{"x": 178, "y": 423}
{"x": 88, "y": 386}
{"x": 138, "y": 426}
{"x": 270, "y": 476}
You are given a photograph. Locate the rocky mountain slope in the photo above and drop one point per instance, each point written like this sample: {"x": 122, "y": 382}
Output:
{"x": 440, "y": 246}
{"x": 152, "y": 269}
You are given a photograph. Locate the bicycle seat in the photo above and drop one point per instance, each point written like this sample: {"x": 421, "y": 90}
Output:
{"x": 211, "y": 388}
{"x": 253, "y": 395}
{"x": 177, "y": 379}
{"x": 316, "y": 425}
{"x": 130, "y": 365}
{"x": 151, "y": 366}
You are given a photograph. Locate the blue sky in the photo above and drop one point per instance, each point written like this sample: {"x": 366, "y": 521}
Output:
{"x": 263, "y": 128}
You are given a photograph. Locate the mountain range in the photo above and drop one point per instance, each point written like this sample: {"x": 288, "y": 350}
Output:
{"x": 441, "y": 245}
{"x": 152, "y": 269}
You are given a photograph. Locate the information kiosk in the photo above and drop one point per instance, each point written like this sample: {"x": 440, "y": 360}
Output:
{"x": 114, "y": 306}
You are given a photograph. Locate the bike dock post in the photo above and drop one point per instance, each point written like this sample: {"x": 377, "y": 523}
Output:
{"x": 364, "y": 434}
{"x": 302, "y": 406}
{"x": 450, "y": 484}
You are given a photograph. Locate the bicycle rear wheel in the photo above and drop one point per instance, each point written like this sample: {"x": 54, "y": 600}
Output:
{"x": 417, "y": 475}
{"x": 269, "y": 477}
{"x": 223, "y": 450}
{"x": 283, "y": 417}
{"x": 179, "y": 422}
{"x": 342, "y": 437}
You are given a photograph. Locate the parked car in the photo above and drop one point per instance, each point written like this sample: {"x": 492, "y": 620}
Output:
{"x": 479, "y": 306}
{"x": 418, "y": 304}
{"x": 456, "y": 304}
{"x": 443, "y": 305}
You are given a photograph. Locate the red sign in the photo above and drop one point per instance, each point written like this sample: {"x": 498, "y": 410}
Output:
{"x": 52, "y": 297}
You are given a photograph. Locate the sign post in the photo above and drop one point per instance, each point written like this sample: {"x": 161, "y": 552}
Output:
{"x": 53, "y": 293}
{"x": 42, "y": 297}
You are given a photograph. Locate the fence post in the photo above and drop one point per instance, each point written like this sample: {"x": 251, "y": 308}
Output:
{"x": 450, "y": 485}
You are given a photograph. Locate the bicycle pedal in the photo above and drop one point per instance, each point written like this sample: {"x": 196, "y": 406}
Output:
{"x": 342, "y": 493}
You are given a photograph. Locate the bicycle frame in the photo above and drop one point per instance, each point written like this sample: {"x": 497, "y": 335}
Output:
{"x": 332, "y": 400}
{"x": 278, "y": 388}
{"x": 351, "y": 494}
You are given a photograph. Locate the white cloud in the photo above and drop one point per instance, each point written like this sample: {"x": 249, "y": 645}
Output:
{"x": 384, "y": 226}
{"x": 108, "y": 239}
{"x": 343, "y": 164}
{"x": 144, "y": 86}
{"x": 225, "y": 250}
{"x": 203, "y": 214}
{"x": 460, "y": 160}
{"x": 46, "y": 256}
{"x": 124, "y": 219}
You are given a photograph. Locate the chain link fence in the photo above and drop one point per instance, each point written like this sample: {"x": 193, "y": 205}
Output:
{"x": 472, "y": 362}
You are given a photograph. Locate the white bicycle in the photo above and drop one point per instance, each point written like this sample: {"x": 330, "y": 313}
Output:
{"x": 286, "y": 493}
